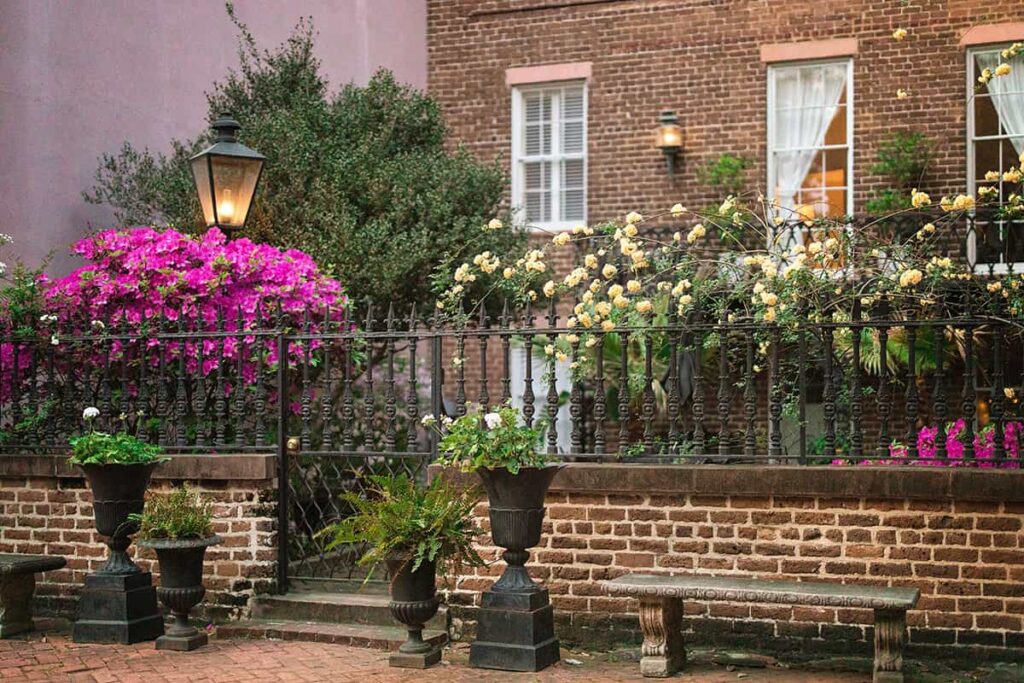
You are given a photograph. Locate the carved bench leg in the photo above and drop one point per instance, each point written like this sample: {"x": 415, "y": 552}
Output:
{"x": 661, "y": 623}
{"x": 890, "y": 627}
{"x": 16, "y": 604}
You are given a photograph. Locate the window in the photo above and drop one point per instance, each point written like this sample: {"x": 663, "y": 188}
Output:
{"x": 995, "y": 139}
{"x": 549, "y": 154}
{"x": 810, "y": 124}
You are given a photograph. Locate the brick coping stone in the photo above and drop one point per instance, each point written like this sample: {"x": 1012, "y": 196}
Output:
{"x": 220, "y": 467}
{"x": 831, "y": 481}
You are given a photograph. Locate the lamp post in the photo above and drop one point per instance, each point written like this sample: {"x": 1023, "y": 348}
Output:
{"x": 669, "y": 138}
{"x": 226, "y": 174}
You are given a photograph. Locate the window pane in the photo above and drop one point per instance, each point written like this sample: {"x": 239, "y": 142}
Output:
{"x": 573, "y": 182}
{"x": 835, "y": 167}
{"x": 572, "y": 107}
{"x": 986, "y": 157}
{"x": 986, "y": 121}
{"x": 537, "y": 177}
{"x": 572, "y": 137}
{"x": 836, "y": 133}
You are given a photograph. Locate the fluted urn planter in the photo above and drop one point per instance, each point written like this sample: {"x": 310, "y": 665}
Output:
{"x": 118, "y": 602}
{"x": 515, "y": 626}
{"x": 413, "y": 603}
{"x": 181, "y": 588}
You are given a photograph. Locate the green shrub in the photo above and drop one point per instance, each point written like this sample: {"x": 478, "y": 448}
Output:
{"x": 181, "y": 515}
{"x": 903, "y": 158}
{"x": 361, "y": 179}
{"x": 396, "y": 518}
{"x": 726, "y": 174}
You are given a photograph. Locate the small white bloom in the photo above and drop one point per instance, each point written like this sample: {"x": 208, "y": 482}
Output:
{"x": 90, "y": 413}
{"x": 428, "y": 420}
{"x": 54, "y": 340}
{"x": 98, "y": 325}
{"x": 492, "y": 420}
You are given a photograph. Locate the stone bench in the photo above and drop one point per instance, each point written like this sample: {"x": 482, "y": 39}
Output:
{"x": 661, "y": 612}
{"x": 17, "y": 584}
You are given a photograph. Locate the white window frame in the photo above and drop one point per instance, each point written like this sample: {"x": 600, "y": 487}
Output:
{"x": 775, "y": 68}
{"x": 972, "y": 180}
{"x": 519, "y": 159}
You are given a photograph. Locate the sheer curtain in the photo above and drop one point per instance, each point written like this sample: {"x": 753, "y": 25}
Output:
{"x": 1007, "y": 97}
{"x": 806, "y": 100}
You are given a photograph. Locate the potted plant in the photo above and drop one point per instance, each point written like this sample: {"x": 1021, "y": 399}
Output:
{"x": 418, "y": 533}
{"x": 118, "y": 603}
{"x": 515, "y": 628}
{"x": 178, "y": 527}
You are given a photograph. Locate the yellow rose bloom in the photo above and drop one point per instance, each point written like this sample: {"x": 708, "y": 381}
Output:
{"x": 899, "y": 34}
{"x": 609, "y": 271}
{"x": 902, "y": 94}
{"x": 607, "y": 326}
{"x": 620, "y": 302}
{"x": 644, "y": 306}
{"x": 695, "y": 233}
{"x": 678, "y": 210}
{"x": 615, "y": 291}
{"x": 633, "y": 286}
{"x": 590, "y": 261}
{"x": 769, "y": 315}
{"x": 919, "y": 199}
{"x": 509, "y": 273}
{"x": 495, "y": 224}
{"x": 549, "y": 288}
{"x": 603, "y": 308}
{"x": 633, "y": 217}
{"x": 1003, "y": 69}
{"x": 630, "y": 230}
{"x": 561, "y": 239}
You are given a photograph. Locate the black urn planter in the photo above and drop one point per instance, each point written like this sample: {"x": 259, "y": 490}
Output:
{"x": 413, "y": 603}
{"x": 515, "y": 626}
{"x": 181, "y": 588}
{"x": 118, "y": 602}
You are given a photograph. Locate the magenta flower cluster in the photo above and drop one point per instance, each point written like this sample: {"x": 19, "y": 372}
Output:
{"x": 984, "y": 448}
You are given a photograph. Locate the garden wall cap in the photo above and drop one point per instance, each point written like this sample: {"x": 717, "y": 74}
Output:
{"x": 205, "y": 467}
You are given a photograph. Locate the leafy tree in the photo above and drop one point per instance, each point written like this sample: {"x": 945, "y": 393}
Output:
{"x": 362, "y": 179}
{"x": 903, "y": 159}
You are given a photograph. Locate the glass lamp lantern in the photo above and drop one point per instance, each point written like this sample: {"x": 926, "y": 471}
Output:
{"x": 226, "y": 175}
{"x": 669, "y": 138}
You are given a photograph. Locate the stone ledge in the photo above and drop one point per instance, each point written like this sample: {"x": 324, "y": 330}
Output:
{"x": 220, "y": 467}
{"x": 916, "y": 483}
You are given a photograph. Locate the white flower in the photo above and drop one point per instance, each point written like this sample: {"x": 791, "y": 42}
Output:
{"x": 3, "y": 267}
{"x": 54, "y": 340}
{"x": 495, "y": 224}
{"x": 98, "y": 325}
{"x": 492, "y": 420}
{"x": 446, "y": 421}
{"x": 90, "y": 413}
{"x": 428, "y": 420}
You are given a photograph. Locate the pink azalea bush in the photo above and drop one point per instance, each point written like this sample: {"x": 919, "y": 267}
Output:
{"x": 984, "y": 448}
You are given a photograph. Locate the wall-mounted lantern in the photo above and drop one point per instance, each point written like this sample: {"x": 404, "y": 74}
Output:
{"x": 669, "y": 138}
{"x": 226, "y": 174}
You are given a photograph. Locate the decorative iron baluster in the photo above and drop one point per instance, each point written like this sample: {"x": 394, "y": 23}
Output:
{"x": 220, "y": 403}
{"x": 697, "y": 409}
{"x": 829, "y": 393}
{"x": 551, "y": 398}
{"x": 50, "y": 424}
{"x": 884, "y": 404}
{"x": 484, "y": 324}
{"x": 306, "y": 395}
{"x": 910, "y": 396}
{"x": 528, "y": 395}
{"x": 142, "y": 404}
{"x": 672, "y": 391}
{"x": 856, "y": 405}
{"x": 998, "y": 396}
{"x": 412, "y": 406}
{"x": 576, "y": 401}
{"x": 749, "y": 396}
{"x": 775, "y": 396}
{"x": 648, "y": 399}
{"x": 326, "y": 385}
{"x": 460, "y": 371}
{"x": 390, "y": 398}
{"x": 368, "y": 398}
{"x": 801, "y": 364}
{"x": 506, "y": 355}
{"x": 163, "y": 401}
{"x": 124, "y": 407}
{"x": 106, "y": 391}
{"x": 723, "y": 386}
{"x": 202, "y": 419}
{"x": 967, "y": 405}
{"x": 623, "y": 404}
{"x": 940, "y": 393}
{"x": 180, "y": 396}
{"x": 600, "y": 409}
{"x": 260, "y": 400}
{"x": 16, "y": 393}
{"x": 240, "y": 389}
{"x": 348, "y": 409}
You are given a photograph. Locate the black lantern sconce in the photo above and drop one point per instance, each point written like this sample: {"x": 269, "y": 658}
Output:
{"x": 226, "y": 174}
{"x": 669, "y": 138}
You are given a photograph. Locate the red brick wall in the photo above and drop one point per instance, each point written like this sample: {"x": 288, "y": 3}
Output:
{"x": 703, "y": 60}
{"x": 965, "y": 556}
{"x": 53, "y": 515}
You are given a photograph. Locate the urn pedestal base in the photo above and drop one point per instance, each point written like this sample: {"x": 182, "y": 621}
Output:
{"x": 408, "y": 660}
{"x": 515, "y": 632}
{"x": 118, "y": 608}
{"x": 182, "y": 643}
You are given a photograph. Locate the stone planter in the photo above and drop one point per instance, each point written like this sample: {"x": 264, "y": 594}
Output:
{"x": 515, "y": 627}
{"x": 118, "y": 602}
{"x": 181, "y": 588}
{"x": 413, "y": 603}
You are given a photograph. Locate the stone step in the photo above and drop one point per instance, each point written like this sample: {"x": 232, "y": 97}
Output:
{"x": 369, "y": 609}
{"x": 376, "y": 637}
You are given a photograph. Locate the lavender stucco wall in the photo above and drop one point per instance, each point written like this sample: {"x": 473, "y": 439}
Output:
{"x": 78, "y": 77}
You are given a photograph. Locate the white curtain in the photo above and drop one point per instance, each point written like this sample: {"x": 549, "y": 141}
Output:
{"x": 1007, "y": 97}
{"x": 806, "y": 100}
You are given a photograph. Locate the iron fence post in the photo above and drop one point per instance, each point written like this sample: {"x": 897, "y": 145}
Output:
{"x": 283, "y": 464}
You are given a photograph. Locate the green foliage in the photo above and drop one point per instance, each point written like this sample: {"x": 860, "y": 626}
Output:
{"x": 99, "y": 448}
{"x": 399, "y": 519}
{"x": 903, "y": 158}
{"x": 21, "y": 299}
{"x": 181, "y": 515}
{"x": 360, "y": 179}
{"x": 489, "y": 440}
{"x": 727, "y": 174}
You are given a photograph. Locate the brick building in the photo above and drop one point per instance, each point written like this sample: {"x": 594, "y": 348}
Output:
{"x": 807, "y": 91}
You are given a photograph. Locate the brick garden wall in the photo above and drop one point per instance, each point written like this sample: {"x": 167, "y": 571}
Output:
{"x": 46, "y": 507}
{"x": 703, "y": 60}
{"x": 957, "y": 535}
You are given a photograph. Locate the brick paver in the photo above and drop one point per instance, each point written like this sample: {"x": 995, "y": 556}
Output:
{"x": 55, "y": 658}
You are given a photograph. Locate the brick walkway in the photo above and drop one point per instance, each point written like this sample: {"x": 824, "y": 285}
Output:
{"x": 55, "y": 658}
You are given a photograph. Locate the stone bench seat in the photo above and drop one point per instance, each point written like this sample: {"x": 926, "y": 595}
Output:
{"x": 17, "y": 584}
{"x": 661, "y": 612}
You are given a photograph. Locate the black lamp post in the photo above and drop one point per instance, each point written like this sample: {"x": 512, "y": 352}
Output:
{"x": 226, "y": 174}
